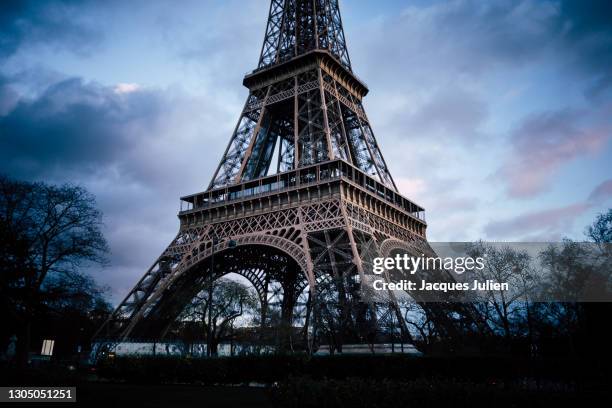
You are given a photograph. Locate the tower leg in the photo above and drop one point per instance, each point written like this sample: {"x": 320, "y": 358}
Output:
{"x": 287, "y": 307}
{"x": 306, "y": 337}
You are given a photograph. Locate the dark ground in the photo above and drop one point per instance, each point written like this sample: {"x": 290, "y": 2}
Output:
{"x": 168, "y": 396}
{"x": 348, "y": 381}
{"x": 112, "y": 395}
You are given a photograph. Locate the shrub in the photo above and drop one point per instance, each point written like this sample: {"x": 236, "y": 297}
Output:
{"x": 269, "y": 369}
{"x": 305, "y": 392}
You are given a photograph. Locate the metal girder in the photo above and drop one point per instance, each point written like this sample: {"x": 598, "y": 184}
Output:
{"x": 314, "y": 224}
{"x": 317, "y": 236}
{"x": 309, "y": 108}
{"x": 298, "y": 26}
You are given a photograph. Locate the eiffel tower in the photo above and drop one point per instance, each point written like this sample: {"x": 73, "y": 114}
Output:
{"x": 301, "y": 194}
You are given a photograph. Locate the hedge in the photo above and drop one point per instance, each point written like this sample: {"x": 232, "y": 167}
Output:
{"x": 270, "y": 369}
{"x": 304, "y": 392}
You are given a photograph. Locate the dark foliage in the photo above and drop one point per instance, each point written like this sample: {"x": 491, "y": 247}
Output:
{"x": 47, "y": 234}
{"x": 304, "y": 392}
{"x": 272, "y": 369}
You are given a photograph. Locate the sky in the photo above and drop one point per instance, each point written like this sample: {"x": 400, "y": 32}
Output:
{"x": 495, "y": 116}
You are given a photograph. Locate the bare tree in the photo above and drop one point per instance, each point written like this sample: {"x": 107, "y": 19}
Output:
{"x": 45, "y": 231}
{"x": 339, "y": 314}
{"x": 505, "y": 312}
{"x": 231, "y": 300}
{"x": 601, "y": 229}
{"x": 424, "y": 333}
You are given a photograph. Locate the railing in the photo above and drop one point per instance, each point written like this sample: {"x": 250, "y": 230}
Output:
{"x": 321, "y": 50}
{"x": 300, "y": 178}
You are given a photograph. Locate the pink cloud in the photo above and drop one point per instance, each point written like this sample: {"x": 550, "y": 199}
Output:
{"x": 437, "y": 195}
{"x": 550, "y": 222}
{"x": 547, "y": 225}
{"x": 411, "y": 187}
{"x": 543, "y": 144}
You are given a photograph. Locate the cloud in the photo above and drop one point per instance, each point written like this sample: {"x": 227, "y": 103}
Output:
{"x": 125, "y": 88}
{"x": 588, "y": 25}
{"x": 460, "y": 37}
{"x": 8, "y": 96}
{"x": 437, "y": 71}
{"x": 550, "y": 224}
{"x": 75, "y": 125}
{"x": 545, "y": 142}
{"x": 221, "y": 42}
{"x": 56, "y": 24}
{"x": 602, "y": 192}
{"x": 450, "y": 113}
{"x": 137, "y": 150}
{"x": 447, "y": 205}
{"x": 472, "y": 36}
{"x": 411, "y": 187}
{"x": 438, "y": 94}
{"x": 444, "y": 61}
{"x": 75, "y": 128}
{"x": 587, "y": 18}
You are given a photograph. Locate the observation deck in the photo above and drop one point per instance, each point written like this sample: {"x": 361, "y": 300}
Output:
{"x": 335, "y": 178}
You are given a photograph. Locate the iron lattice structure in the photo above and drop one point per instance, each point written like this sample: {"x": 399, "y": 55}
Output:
{"x": 304, "y": 99}
{"x": 302, "y": 188}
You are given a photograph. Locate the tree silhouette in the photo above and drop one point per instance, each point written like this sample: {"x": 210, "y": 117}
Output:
{"x": 47, "y": 233}
{"x": 231, "y": 300}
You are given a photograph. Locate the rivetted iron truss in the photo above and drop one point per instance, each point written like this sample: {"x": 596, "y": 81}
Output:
{"x": 302, "y": 190}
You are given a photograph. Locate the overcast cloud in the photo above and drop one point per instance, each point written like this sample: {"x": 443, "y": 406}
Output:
{"x": 493, "y": 115}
